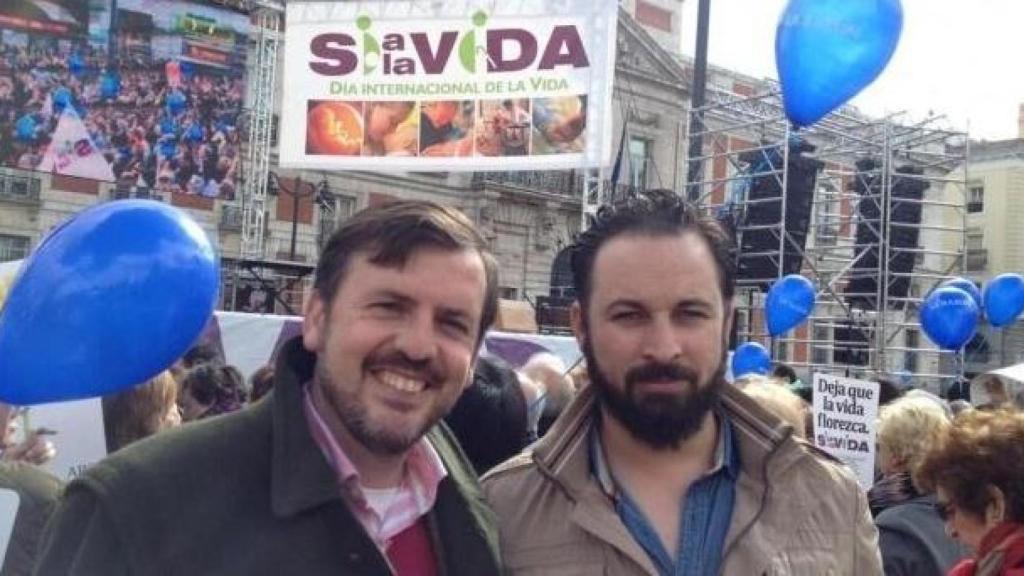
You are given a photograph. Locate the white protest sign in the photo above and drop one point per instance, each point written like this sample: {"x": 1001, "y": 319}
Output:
{"x": 8, "y": 511}
{"x": 845, "y": 411}
{"x": 76, "y": 430}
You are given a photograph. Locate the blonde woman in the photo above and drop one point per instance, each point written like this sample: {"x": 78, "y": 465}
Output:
{"x": 912, "y": 537}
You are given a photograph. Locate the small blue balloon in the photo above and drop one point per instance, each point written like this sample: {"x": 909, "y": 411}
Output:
{"x": 61, "y": 99}
{"x": 25, "y": 128}
{"x": 827, "y": 51}
{"x": 790, "y": 301}
{"x": 176, "y": 102}
{"x": 110, "y": 86}
{"x": 76, "y": 64}
{"x": 195, "y": 133}
{"x": 949, "y": 317}
{"x": 750, "y": 358}
{"x": 108, "y": 300}
{"x": 168, "y": 126}
{"x": 967, "y": 286}
{"x": 1004, "y": 299}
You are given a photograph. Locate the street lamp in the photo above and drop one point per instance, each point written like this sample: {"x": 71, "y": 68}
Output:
{"x": 299, "y": 189}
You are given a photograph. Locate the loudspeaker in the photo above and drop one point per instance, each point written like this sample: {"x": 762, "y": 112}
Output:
{"x": 758, "y": 249}
{"x": 902, "y": 234}
{"x": 852, "y": 344}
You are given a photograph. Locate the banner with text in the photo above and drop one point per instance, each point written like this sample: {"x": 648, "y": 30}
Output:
{"x": 452, "y": 85}
{"x": 845, "y": 411}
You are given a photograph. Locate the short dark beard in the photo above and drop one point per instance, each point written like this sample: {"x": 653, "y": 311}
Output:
{"x": 353, "y": 416}
{"x": 662, "y": 421}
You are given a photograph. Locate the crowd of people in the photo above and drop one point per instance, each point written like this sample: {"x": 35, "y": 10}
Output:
{"x": 174, "y": 133}
{"x": 641, "y": 460}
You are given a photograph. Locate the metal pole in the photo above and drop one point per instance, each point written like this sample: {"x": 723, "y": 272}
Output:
{"x": 111, "y": 38}
{"x": 700, "y": 71}
{"x": 296, "y": 190}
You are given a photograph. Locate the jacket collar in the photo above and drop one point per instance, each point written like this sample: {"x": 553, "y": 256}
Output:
{"x": 758, "y": 436}
{"x": 300, "y": 478}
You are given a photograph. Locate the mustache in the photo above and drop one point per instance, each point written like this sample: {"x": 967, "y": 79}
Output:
{"x": 659, "y": 372}
{"x": 423, "y": 369}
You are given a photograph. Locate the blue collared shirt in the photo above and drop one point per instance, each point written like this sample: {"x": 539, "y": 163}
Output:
{"x": 705, "y": 514}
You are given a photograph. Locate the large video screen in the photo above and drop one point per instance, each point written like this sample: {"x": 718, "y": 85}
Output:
{"x": 141, "y": 92}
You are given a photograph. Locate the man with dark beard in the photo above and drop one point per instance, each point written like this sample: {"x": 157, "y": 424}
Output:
{"x": 342, "y": 468}
{"x": 658, "y": 467}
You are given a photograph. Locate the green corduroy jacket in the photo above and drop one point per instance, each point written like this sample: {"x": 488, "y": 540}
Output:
{"x": 248, "y": 493}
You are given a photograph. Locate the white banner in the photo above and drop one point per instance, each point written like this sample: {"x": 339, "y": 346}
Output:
{"x": 76, "y": 430}
{"x": 448, "y": 85}
{"x": 845, "y": 411}
{"x": 9, "y": 502}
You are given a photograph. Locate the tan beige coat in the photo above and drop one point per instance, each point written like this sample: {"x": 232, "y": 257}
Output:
{"x": 797, "y": 512}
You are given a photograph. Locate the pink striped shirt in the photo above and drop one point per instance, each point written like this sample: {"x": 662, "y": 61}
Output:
{"x": 413, "y": 498}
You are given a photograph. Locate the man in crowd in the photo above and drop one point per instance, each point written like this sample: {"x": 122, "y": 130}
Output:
{"x": 658, "y": 466}
{"x": 341, "y": 470}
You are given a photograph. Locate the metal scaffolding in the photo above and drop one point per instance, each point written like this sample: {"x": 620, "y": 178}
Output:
{"x": 873, "y": 214}
{"x": 262, "y": 77}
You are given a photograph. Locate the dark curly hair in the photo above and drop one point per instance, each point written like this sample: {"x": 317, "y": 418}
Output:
{"x": 651, "y": 213}
{"x": 980, "y": 449}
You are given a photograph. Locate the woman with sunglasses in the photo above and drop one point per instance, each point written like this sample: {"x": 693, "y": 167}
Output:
{"x": 976, "y": 469}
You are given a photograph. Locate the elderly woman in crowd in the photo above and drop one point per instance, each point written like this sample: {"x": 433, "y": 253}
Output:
{"x": 976, "y": 468}
{"x": 774, "y": 395}
{"x": 141, "y": 411}
{"x": 912, "y": 537}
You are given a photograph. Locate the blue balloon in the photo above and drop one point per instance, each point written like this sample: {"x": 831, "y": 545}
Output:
{"x": 967, "y": 286}
{"x": 750, "y": 358}
{"x": 827, "y": 51}
{"x": 76, "y": 64}
{"x": 110, "y": 86}
{"x": 790, "y": 301}
{"x": 109, "y": 299}
{"x": 195, "y": 133}
{"x": 176, "y": 102}
{"x": 168, "y": 126}
{"x": 25, "y": 128}
{"x": 949, "y": 317}
{"x": 61, "y": 99}
{"x": 1004, "y": 299}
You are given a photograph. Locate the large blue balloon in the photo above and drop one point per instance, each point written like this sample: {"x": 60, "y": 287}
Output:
{"x": 750, "y": 358}
{"x": 108, "y": 300}
{"x": 827, "y": 51}
{"x": 949, "y": 317}
{"x": 1004, "y": 299}
{"x": 790, "y": 302}
{"x": 967, "y": 286}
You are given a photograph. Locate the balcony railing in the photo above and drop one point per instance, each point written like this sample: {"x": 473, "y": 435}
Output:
{"x": 20, "y": 188}
{"x": 560, "y": 182}
{"x": 123, "y": 192}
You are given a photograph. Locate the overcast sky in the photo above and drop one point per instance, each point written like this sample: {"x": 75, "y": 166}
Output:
{"x": 960, "y": 58}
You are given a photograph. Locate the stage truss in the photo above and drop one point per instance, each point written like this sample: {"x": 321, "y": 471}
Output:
{"x": 864, "y": 161}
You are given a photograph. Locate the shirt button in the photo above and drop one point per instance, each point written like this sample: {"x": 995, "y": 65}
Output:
{"x": 354, "y": 557}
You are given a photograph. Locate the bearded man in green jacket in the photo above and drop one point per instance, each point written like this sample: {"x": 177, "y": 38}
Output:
{"x": 344, "y": 468}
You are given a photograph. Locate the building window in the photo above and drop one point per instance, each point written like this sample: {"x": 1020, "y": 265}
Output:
{"x": 13, "y": 247}
{"x": 639, "y": 160}
{"x": 508, "y": 293}
{"x": 975, "y": 198}
{"x": 653, "y": 16}
{"x": 913, "y": 340}
{"x": 977, "y": 257}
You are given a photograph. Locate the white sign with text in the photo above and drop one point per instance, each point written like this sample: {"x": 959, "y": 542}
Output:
{"x": 845, "y": 411}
